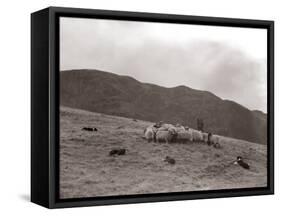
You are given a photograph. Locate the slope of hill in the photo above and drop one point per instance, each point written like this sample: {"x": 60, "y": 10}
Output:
{"x": 109, "y": 93}
{"x": 87, "y": 170}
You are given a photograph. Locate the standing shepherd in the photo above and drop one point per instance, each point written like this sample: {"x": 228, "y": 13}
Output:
{"x": 200, "y": 124}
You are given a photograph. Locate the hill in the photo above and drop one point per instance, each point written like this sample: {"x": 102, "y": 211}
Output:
{"x": 108, "y": 93}
{"x": 87, "y": 170}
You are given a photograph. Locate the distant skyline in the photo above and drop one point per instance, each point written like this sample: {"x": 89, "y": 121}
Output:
{"x": 229, "y": 62}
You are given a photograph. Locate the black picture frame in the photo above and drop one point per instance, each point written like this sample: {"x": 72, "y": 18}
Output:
{"x": 45, "y": 106}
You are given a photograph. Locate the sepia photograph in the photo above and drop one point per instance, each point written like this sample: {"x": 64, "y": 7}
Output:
{"x": 152, "y": 107}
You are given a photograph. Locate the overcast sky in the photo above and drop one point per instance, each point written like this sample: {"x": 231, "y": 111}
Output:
{"x": 229, "y": 62}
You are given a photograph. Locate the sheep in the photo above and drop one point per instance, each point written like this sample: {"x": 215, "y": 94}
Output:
{"x": 186, "y": 127}
{"x": 179, "y": 128}
{"x": 162, "y": 129}
{"x": 197, "y": 135}
{"x": 149, "y": 133}
{"x": 172, "y": 130}
{"x": 205, "y": 137}
{"x": 184, "y": 136}
{"x": 166, "y": 127}
{"x": 153, "y": 128}
{"x": 158, "y": 124}
{"x": 213, "y": 140}
{"x": 165, "y": 136}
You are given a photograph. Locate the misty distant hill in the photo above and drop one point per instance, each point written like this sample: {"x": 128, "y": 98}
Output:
{"x": 113, "y": 94}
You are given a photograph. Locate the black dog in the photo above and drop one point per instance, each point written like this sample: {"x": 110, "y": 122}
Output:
{"x": 120, "y": 151}
{"x": 87, "y": 129}
{"x": 170, "y": 160}
{"x": 243, "y": 164}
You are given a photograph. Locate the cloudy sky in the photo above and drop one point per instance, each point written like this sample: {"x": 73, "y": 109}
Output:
{"x": 229, "y": 62}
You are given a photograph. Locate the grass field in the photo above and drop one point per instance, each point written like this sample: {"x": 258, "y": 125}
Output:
{"x": 87, "y": 170}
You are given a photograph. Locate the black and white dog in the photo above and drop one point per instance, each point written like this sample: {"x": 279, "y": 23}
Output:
{"x": 240, "y": 162}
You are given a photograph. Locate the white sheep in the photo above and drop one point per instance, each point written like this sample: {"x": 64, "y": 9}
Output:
{"x": 166, "y": 127}
{"x": 184, "y": 136}
{"x": 179, "y": 128}
{"x": 205, "y": 137}
{"x": 149, "y": 133}
{"x": 214, "y": 139}
{"x": 152, "y": 127}
{"x": 165, "y": 136}
{"x": 196, "y": 135}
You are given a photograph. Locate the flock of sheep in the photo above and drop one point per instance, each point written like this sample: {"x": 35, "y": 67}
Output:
{"x": 163, "y": 132}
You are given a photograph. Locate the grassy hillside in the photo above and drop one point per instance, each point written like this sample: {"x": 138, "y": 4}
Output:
{"x": 108, "y": 93}
{"x": 86, "y": 169}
